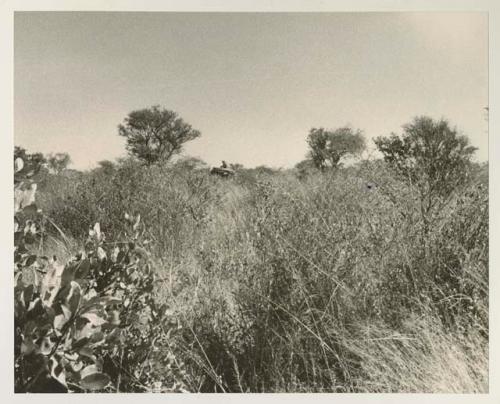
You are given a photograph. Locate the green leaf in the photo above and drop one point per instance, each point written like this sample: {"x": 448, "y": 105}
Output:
{"x": 101, "y": 254}
{"x": 82, "y": 328}
{"x": 71, "y": 356}
{"x": 30, "y": 260}
{"x": 94, "y": 319}
{"x": 27, "y": 346}
{"x": 18, "y": 279}
{"x": 68, "y": 274}
{"x": 62, "y": 318}
{"x": 57, "y": 372}
{"x": 88, "y": 353}
{"x": 74, "y": 297}
{"x": 78, "y": 344}
{"x": 76, "y": 366}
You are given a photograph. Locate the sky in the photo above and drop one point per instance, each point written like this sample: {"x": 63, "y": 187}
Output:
{"x": 254, "y": 84}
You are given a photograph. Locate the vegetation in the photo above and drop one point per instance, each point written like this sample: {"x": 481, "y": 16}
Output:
{"x": 155, "y": 134}
{"x": 32, "y": 163}
{"x": 327, "y": 148}
{"x": 58, "y": 162}
{"x": 271, "y": 281}
{"x": 431, "y": 156}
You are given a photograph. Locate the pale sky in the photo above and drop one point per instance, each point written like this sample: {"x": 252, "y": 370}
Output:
{"x": 254, "y": 84}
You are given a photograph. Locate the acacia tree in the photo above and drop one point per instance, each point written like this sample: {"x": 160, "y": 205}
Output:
{"x": 327, "y": 148}
{"x": 107, "y": 167}
{"x": 155, "y": 134}
{"x": 58, "y": 162}
{"x": 431, "y": 156}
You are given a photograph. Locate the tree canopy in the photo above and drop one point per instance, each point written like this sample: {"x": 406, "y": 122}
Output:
{"x": 328, "y": 147}
{"x": 58, "y": 162}
{"x": 430, "y": 155}
{"x": 35, "y": 159}
{"x": 32, "y": 162}
{"x": 155, "y": 134}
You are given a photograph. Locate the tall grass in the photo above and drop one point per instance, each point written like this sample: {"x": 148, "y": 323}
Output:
{"x": 323, "y": 283}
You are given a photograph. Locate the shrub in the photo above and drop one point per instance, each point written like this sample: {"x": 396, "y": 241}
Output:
{"x": 58, "y": 316}
{"x": 431, "y": 156}
{"x": 92, "y": 322}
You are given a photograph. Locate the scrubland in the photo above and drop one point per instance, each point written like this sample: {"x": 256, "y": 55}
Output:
{"x": 278, "y": 282}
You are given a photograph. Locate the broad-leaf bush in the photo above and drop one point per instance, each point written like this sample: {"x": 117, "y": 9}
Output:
{"x": 58, "y": 316}
{"x": 91, "y": 323}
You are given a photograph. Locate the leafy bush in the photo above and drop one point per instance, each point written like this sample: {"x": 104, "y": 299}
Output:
{"x": 92, "y": 322}
{"x": 58, "y": 316}
{"x": 431, "y": 156}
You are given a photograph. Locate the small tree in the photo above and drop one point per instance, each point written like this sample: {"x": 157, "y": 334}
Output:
{"x": 58, "y": 162}
{"x": 327, "y": 148}
{"x": 431, "y": 156}
{"x": 106, "y": 167}
{"x": 304, "y": 168}
{"x": 190, "y": 164}
{"x": 32, "y": 162}
{"x": 155, "y": 134}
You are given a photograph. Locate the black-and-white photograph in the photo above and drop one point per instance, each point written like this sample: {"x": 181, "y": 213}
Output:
{"x": 250, "y": 202}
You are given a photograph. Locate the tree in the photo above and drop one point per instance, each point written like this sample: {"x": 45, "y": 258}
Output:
{"x": 155, "y": 134}
{"x": 327, "y": 148}
{"x": 304, "y": 168}
{"x": 190, "y": 164}
{"x": 58, "y": 162}
{"x": 265, "y": 170}
{"x": 106, "y": 167}
{"x": 32, "y": 162}
{"x": 431, "y": 156}
{"x": 36, "y": 160}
